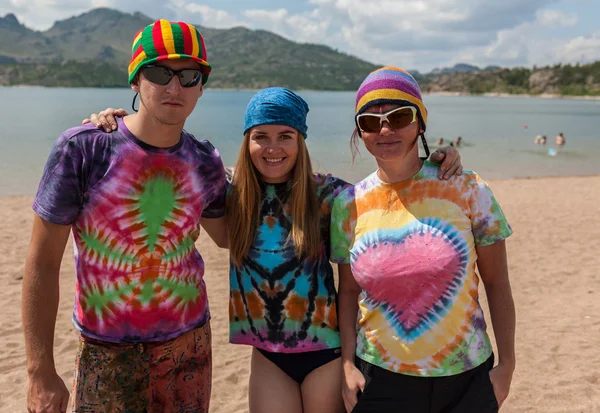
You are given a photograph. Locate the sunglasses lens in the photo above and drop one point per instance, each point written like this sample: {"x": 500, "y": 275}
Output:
{"x": 369, "y": 123}
{"x": 158, "y": 74}
{"x": 402, "y": 118}
{"x": 189, "y": 77}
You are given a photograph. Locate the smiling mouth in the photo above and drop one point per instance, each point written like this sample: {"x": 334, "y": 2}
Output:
{"x": 274, "y": 161}
{"x": 388, "y": 143}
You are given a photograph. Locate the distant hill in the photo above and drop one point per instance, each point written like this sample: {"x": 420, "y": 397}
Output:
{"x": 100, "y": 41}
{"x": 458, "y": 68}
{"x": 567, "y": 80}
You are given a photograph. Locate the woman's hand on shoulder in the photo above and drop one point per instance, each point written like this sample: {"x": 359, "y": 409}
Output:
{"x": 105, "y": 119}
{"x": 450, "y": 161}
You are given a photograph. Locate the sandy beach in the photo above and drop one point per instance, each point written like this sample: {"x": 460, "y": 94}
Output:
{"x": 554, "y": 259}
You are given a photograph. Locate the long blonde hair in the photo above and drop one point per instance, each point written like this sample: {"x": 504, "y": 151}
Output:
{"x": 244, "y": 201}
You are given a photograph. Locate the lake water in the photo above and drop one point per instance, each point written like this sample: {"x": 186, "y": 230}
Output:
{"x": 497, "y": 143}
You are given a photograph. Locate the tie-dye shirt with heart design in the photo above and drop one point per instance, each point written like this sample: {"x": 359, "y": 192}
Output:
{"x": 411, "y": 247}
{"x": 135, "y": 212}
{"x": 279, "y": 302}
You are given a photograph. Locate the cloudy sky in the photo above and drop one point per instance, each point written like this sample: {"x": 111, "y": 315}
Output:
{"x": 413, "y": 34}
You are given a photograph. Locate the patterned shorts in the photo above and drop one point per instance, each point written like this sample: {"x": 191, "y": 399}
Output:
{"x": 170, "y": 376}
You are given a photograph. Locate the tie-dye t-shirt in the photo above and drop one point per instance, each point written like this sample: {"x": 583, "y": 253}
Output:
{"x": 411, "y": 246}
{"x": 279, "y": 302}
{"x": 135, "y": 214}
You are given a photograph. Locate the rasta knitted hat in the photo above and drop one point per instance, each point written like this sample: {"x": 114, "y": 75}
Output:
{"x": 163, "y": 40}
{"x": 277, "y": 106}
{"x": 390, "y": 85}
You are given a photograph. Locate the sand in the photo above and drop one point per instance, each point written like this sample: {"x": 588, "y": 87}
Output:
{"x": 554, "y": 267}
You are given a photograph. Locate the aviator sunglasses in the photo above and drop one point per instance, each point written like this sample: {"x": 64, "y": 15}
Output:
{"x": 162, "y": 75}
{"x": 397, "y": 118}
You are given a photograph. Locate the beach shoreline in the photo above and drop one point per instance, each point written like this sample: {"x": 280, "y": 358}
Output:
{"x": 439, "y": 93}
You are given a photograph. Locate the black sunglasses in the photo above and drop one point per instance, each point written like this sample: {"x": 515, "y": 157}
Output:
{"x": 162, "y": 75}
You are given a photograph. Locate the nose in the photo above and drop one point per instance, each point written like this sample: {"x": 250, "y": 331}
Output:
{"x": 386, "y": 128}
{"x": 174, "y": 86}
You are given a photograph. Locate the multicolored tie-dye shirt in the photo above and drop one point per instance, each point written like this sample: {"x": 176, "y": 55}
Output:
{"x": 135, "y": 213}
{"x": 279, "y": 302}
{"x": 411, "y": 246}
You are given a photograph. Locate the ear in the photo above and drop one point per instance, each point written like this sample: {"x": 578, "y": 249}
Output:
{"x": 135, "y": 84}
{"x": 201, "y": 91}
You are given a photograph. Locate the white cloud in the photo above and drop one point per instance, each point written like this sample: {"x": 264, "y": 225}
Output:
{"x": 41, "y": 14}
{"x": 208, "y": 16}
{"x": 304, "y": 27}
{"x": 581, "y": 49}
{"x": 554, "y": 18}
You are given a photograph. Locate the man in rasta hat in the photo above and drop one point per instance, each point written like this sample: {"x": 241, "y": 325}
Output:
{"x": 134, "y": 201}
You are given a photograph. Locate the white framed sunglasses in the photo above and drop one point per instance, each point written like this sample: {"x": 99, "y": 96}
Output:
{"x": 397, "y": 118}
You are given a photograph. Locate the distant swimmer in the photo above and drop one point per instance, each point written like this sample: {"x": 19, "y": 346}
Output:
{"x": 540, "y": 139}
{"x": 458, "y": 141}
{"x": 560, "y": 139}
{"x": 439, "y": 142}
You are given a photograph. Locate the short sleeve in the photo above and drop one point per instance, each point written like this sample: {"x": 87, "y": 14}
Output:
{"x": 59, "y": 198}
{"x": 341, "y": 228}
{"x": 488, "y": 223}
{"x": 217, "y": 184}
{"x": 328, "y": 188}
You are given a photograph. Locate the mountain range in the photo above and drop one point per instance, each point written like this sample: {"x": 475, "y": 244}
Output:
{"x": 240, "y": 57}
{"x": 94, "y": 48}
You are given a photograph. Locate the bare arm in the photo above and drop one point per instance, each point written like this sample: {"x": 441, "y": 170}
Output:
{"x": 348, "y": 309}
{"x": 217, "y": 230}
{"x": 40, "y": 298}
{"x": 493, "y": 268}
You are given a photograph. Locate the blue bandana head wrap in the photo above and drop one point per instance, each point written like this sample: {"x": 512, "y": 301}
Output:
{"x": 277, "y": 106}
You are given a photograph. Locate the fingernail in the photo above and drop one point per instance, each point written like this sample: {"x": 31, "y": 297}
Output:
{"x": 114, "y": 127}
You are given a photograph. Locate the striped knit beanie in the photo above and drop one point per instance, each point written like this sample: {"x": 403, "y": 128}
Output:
{"x": 167, "y": 40}
{"x": 390, "y": 85}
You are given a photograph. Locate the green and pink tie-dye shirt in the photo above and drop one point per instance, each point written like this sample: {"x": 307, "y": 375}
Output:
{"x": 412, "y": 249}
{"x": 135, "y": 214}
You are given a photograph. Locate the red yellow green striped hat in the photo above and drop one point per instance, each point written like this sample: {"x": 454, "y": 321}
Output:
{"x": 163, "y": 40}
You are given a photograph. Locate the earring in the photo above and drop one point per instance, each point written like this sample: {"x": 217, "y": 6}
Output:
{"x": 133, "y": 103}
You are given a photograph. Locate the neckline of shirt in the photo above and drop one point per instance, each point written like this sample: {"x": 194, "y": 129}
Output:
{"x": 146, "y": 146}
{"x": 401, "y": 184}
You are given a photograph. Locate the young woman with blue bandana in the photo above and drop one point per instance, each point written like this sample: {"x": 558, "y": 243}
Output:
{"x": 282, "y": 289}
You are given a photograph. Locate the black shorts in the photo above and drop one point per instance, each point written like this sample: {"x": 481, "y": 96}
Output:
{"x": 300, "y": 365}
{"x": 386, "y": 391}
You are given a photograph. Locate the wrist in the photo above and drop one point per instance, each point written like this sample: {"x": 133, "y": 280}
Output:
{"x": 41, "y": 369}
{"x": 348, "y": 361}
{"x": 508, "y": 364}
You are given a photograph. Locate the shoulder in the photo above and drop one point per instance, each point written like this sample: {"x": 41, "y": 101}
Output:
{"x": 81, "y": 134}
{"x": 202, "y": 145}
{"x": 330, "y": 182}
{"x": 468, "y": 178}
{"x": 85, "y": 138}
{"x": 204, "y": 152}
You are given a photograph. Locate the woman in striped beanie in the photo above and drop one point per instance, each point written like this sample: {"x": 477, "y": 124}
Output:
{"x": 413, "y": 243}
